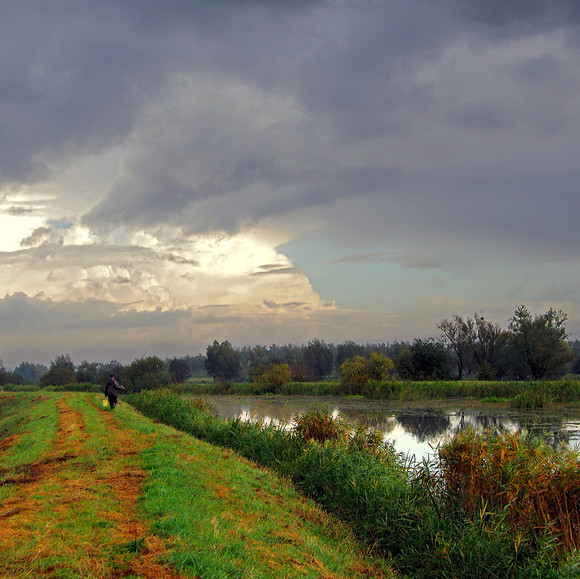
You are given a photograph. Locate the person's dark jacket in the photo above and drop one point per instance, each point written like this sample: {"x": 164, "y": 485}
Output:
{"x": 112, "y": 388}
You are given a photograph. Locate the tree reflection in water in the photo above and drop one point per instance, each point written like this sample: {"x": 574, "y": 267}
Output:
{"x": 425, "y": 426}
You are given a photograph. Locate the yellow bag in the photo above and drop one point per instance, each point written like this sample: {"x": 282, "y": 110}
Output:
{"x": 105, "y": 402}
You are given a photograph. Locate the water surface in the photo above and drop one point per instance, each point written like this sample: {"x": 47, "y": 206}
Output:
{"x": 414, "y": 428}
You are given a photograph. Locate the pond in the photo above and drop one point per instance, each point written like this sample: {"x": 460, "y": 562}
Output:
{"x": 415, "y": 428}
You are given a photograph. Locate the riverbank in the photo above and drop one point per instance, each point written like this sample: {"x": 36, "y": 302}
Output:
{"x": 86, "y": 492}
{"x": 415, "y": 514}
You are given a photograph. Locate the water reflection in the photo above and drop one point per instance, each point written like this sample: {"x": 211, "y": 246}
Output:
{"x": 414, "y": 431}
{"x": 424, "y": 426}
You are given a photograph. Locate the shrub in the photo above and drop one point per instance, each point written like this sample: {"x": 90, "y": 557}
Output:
{"x": 318, "y": 425}
{"x": 356, "y": 372}
{"x": 354, "y": 375}
{"x": 537, "y": 488}
{"x": 271, "y": 378}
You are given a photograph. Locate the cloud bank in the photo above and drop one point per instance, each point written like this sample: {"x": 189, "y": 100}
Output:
{"x": 262, "y": 171}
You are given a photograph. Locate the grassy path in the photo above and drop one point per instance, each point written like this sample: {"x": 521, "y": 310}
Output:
{"x": 86, "y": 492}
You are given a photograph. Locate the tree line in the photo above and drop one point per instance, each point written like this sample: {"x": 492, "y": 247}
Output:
{"x": 531, "y": 347}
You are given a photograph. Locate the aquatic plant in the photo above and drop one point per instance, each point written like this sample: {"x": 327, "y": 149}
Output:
{"x": 536, "y": 487}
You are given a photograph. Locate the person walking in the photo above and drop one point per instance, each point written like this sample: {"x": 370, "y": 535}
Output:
{"x": 111, "y": 390}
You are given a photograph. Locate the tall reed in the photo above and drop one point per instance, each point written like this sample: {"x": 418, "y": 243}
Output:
{"x": 537, "y": 488}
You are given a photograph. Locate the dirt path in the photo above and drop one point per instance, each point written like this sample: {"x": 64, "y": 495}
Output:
{"x": 50, "y": 493}
{"x": 127, "y": 485}
{"x": 18, "y": 511}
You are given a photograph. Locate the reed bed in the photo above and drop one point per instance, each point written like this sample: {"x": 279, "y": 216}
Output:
{"x": 537, "y": 489}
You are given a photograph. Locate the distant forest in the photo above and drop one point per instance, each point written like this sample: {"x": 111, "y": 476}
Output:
{"x": 532, "y": 347}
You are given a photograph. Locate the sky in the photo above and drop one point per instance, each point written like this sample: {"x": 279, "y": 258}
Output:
{"x": 271, "y": 172}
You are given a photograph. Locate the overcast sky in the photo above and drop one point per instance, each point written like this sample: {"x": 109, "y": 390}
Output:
{"x": 174, "y": 172}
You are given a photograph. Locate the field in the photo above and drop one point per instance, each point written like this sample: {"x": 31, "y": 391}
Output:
{"x": 86, "y": 492}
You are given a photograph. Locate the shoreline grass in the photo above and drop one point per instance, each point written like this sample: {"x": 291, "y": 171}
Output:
{"x": 521, "y": 394}
{"x": 397, "y": 510}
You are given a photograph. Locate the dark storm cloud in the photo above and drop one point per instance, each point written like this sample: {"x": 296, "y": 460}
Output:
{"x": 524, "y": 15}
{"x": 77, "y": 78}
{"x": 23, "y": 314}
{"x": 485, "y": 115}
{"x": 73, "y": 79}
{"x": 141, "y": 203}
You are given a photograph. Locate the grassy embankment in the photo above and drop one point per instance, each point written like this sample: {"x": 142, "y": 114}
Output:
{"x": 86, "y": 492}
{"x": 496, "y": 507}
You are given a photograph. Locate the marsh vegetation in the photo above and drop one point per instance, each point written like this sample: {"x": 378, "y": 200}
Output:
{"x": 518, "y": 517}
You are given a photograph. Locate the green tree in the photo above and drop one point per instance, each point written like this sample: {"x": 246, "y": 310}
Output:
{"x": 349, "y": 350}
{"x": 575, "y": 366}
{"x": 475, "y": 341}
{"x": 179, "y": 370}
{"x": 87, "y": 372}
{"x": 147, "y": 374}
{"x": 541, "y": 341}
{"x": 58, "y": 377}
{"x": 31, "y": 372}
{"x": 4, "y": 375}
{"x": 318, "y": 359}
{"x": 104, "y": 370}
{"x": 487, "y": 342}
{"x": 456, "y": 334}
{"x": 61, "y": 372}
{"x": 222, "y": 362}
{"x": 424, "y": 360}
{"x": 62, "y": 361}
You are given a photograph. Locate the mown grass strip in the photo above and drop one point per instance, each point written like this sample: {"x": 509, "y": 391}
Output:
{"x": 53, "y": 524}
{"x": 226, "y": 518}
{"x": 33, "y": 420}
{"x": 28, "y": 427}
{"x": 120, "y": 496}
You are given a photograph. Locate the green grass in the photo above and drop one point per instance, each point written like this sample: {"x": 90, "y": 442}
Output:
{"x": 34, "y": 419}
{"x": 558, "y": 391}
{"x": 495, "y": 400}
{"x": 120, "y": 492}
